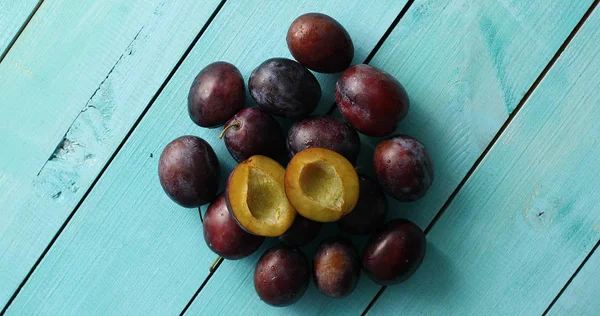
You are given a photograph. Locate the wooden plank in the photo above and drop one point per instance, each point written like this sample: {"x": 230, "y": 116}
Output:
{"x": 129, "y": 249}
{"x": 530, "y": 213}
{"x": 581, "y": 297}
{"x": 13, "y": 16}
{"x": 464, "y": 77}
{"x": 79, "y": 76}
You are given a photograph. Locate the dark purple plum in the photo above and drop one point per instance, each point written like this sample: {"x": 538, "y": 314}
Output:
{"x": 281, "y": 276}
{"x": 253, "y": 132}
{"x": 320, "y": 43}
{"x": 189, "y": 171}
{"x": 216, "y": 94}
{"x": 370, "y": 211}
{"x": 284, "y": 88}
{"x": 371, "y": 100}
{"x": 336, "y": 267}
{"x": 302, "y": 232}
{"x": 325, "y": 132}
{"x": 394, "y": 253}
{"x": 403, "y": 168}
{"x": 224, "y": 236}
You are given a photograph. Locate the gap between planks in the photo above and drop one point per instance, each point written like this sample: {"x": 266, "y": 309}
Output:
{"x": 560, "y": 293}
{"x": 20, "y": 31}
{"x": 112, "y": 157}
{"x": 329, "y": 112}
{"x": 491, "y": 144}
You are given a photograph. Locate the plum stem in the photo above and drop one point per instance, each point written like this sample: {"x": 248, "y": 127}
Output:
{"x": 212, "y": 266}
{"x": 236, "y": 124}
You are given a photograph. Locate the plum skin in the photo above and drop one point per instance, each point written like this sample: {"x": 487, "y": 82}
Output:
{"x": 284, "y": 88}
{"x": 403, "y": 167}
{"x": 325, "y": 132}
{"x": 371, "y": 100}
{"x": 224, "y": 236}
{"x": 320, "y": 43}
{"x": 394, "y": 253}
{"x": 281, "y": 275}
{"x": 188, "y": 171}
{"x": 370, "y": 211}
{"x": 336, "y": 267}
{"x": 256, "y": 133}
{"x": 216, "y": 94}
{"x": 302, "y": 232}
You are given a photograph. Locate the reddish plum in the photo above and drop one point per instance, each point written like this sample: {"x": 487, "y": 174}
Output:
{"x": 253, "y": 132}
{"x": 224, "y": 236}
{"x": 371, "y": 100}
{"x": 320, "y": 43}
{"x": 281, "y": 276}
{"x": 216, "y": 94}
{"x": 325, "y": 132}
{"x": 394, "y": 253}
{"x": 336, "y": 267}
{"x": 403, "y": 168}
{"x": 189, "y": 171}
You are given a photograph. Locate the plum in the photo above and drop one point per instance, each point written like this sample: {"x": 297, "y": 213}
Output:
{"x": 321, "y": 184}
{"x": 302, "y": 232}
{"x": 403, "y": 167}
{"x": 394, "y": 253}
{"x": 188, "y": 171}
{"x": 336, "y": 267}
{"x": 285, "y": 88}
{"x": 370, "y": 211}
{"x": 224, "y": 236}
{"x": 216, "y": 94}
{"x": 320, "y": 43}
{"x": 253, "y": 132}
{"x": 256, "y": 197}
{"x": 281, "y": 275}
{"x": 371, "y": 100}
{"x": 325, "y": 132}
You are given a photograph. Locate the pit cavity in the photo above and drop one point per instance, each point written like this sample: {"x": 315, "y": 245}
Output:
{"x": 265, "y": 198}
{"x": 321, "y": 183}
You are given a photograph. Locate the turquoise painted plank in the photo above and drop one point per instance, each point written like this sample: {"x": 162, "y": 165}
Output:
{"x": 79, "y": 76}
{"x": 581, "y": 297}
{"x": 529, "y": 214}
{"x": 129, "y": 249}
{"x": 13, "y": 16}
{"x": 464, "y": 75}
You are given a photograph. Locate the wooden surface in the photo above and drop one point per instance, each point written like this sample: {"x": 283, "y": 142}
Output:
{"x": 70, "y": 103}
{"x": 530, "y": 212}
{"x": 12, "y": 20}
{"x": 83, "y": 74}
{"x": 581, "y": 297}
{"x": 446, "y": 115}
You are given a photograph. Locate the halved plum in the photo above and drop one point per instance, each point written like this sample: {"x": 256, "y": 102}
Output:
{"x": 256, "y": 197}
{"x": 321, "y": 184}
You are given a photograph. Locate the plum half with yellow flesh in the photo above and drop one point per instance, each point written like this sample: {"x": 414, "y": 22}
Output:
{"x": 256, "y": 197}
{"x": 321, "y": 184}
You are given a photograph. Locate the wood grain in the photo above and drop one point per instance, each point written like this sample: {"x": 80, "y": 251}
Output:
{"x": 129, "y": 249}
{"x": 529, "y": 214}
{"x": 12, "y": 19}
{"x": 79, "y": 76}
{"x": 464, "y": 76}
{"x": 581, "y": 297}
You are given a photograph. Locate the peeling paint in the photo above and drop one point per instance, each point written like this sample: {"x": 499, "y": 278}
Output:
{"x": 66, "y": 145}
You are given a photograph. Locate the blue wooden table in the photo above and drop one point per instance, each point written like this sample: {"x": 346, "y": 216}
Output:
{"x": 505, "y": 94}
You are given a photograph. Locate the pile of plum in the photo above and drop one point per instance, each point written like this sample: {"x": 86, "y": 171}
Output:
{"x": 319, "y": 183}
